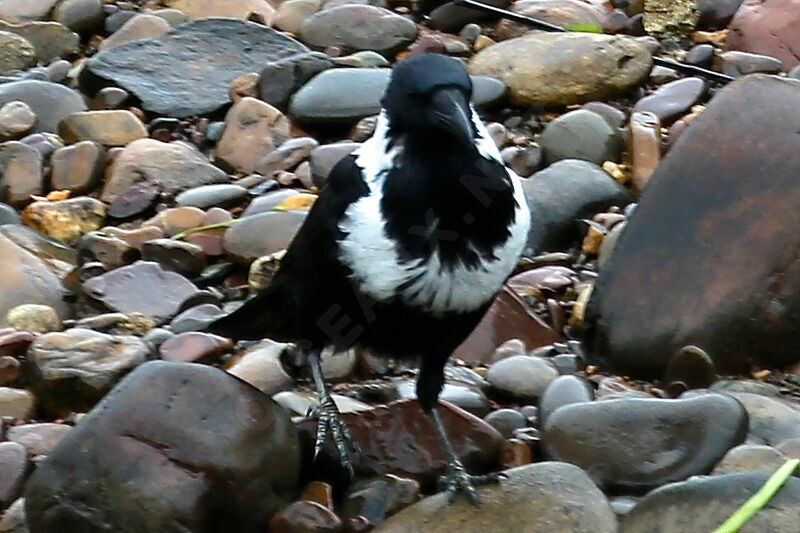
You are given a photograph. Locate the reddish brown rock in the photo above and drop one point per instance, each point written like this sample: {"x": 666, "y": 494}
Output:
{"x": 143, "y": 287}
{"x": 398, "y": 439}
{"x": 194, "y": 346}
{"x": 710, "y": 257}
{"x": 253, "y": 129}
{"x": 38, "y": 439}
{"x": 507, "y": 318}
{"x": 767, "y": 27}
{"x": 173, "y": 166}
{"x": 167, "y": 441}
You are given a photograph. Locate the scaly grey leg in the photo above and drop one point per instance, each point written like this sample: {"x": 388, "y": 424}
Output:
{"x": 457, "y": 479}
{"x": 329, "y": 418}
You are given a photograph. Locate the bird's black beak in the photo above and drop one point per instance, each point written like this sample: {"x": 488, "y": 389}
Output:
{"x": 451, "y": 113}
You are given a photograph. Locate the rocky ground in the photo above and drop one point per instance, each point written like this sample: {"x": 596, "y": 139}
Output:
{"x": 637, "y": 374}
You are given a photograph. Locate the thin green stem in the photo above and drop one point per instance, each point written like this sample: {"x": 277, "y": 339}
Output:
{"x": 184, "y": 234}
{"x": 759, "y": 499}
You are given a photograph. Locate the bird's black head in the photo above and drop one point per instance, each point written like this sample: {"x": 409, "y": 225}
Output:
{"x": 428, "y": 97}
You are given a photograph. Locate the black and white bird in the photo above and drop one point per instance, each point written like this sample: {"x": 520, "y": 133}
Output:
{"x": 405, "y": 248}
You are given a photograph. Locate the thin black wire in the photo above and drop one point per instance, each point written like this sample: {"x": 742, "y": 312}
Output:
{"x": 536, "y": 23}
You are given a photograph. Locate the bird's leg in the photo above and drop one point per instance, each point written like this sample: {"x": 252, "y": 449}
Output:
{"x": 457, "y": 479}
{"x": 330, "y": 419}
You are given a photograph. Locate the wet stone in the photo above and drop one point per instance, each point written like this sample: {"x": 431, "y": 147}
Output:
{"x": 521, "y": 377}
{"x": 253, "y": 129}
{"x": 25, "y": 10}
{"x": 221, "y": 8}
{"x": 306, "y": 517}
{"x": 581, "y": 134}
{"x": 324, "y": 158}
{"x": 207, "y": 196}
{"x": 80, "y": 16}
{"x": 261, "y": 367}
{"x": 13, "y": 468}
{"x": 9, "y": 215}
{"x": 615, "y": 441}
{"x": 291, "y": 14}
{"x": 536, "y": 498}
{"x": 174, "y": 220}
{"x": 701, "y": 55}
{"x": 193, "y": 347}
{"x": 393, "y": 444}
{"x": 696, "y": 293}
{"x": 183, "y": 257}
{"x": 764, "y": 27}
{"x": 703, "y": 503}
{"x": 34, "y": 317}
{"x": 50, "y": 39}
{"x": 262, "y": 234}
{"x": 74, "y": 369}
{"x": 564, "y": 192}
{"x": 16, "y": 52}
{"x": 771, "y": 421}
{"x": 564, "y": 390}
{"x": 505, "y": 421}
{"x": 16, "y": 119}
{"x": 560, "y": 69}
{"x": 65, "y": 220}
{"x": 108, "y": 128}
{"x": 358, "y": 27}
{"x": 673, "y": 99}
{"x": 138, "y": 27}
{"x": 692, "y": 366}
{"x": 111, "y": 251}
{"x": 15, "y": 403}
{"x": 38, "y": 439}
{"x": 376, "y": 499}
{"x": 135, "y": 200}
{"x": 145, "y": 445}
{"x": 507, "y": 318}
{"x": 9, "y": 367}
{"x": 189, "y": 58}
{"x": 287, "y": 156}
{"x": 747, "y": 457}
{"x": 20, "y": 172}
{"x": 174, "y": 167}
{"x": 51, "y": 102}
{"x": 738, "y": 64}
{"x": 282, "y": 78}
{"x": 13, "y": 520}
{"x": 468, "y": 398}
{"x": 77, "y": 168}
{"x": 143, "y": 287}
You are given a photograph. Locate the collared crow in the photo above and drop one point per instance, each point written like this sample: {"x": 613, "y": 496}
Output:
{"x": 405, "y": 248}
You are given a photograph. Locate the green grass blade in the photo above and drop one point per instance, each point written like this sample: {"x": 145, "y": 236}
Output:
{"x": 585, "y": 28}
{"x": 759, "y": 499}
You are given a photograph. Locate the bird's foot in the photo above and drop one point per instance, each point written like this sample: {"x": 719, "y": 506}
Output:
{"x": 331, "y": 420}
{"x": 458, "y": 480}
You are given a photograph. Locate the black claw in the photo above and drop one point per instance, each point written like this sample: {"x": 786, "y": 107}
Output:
{"x": 458, "y": 480}
{"x": 330, "y": 420}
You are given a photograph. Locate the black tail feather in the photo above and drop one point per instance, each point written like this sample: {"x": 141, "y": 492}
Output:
{"x": 254, "y": 320}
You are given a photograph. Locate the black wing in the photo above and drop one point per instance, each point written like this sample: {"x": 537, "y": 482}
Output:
{"x": 310, "y": 279}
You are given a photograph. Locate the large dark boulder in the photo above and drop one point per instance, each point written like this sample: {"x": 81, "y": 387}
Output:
{"x": 711, "y": 256}
{"x": 175, "y": 447}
